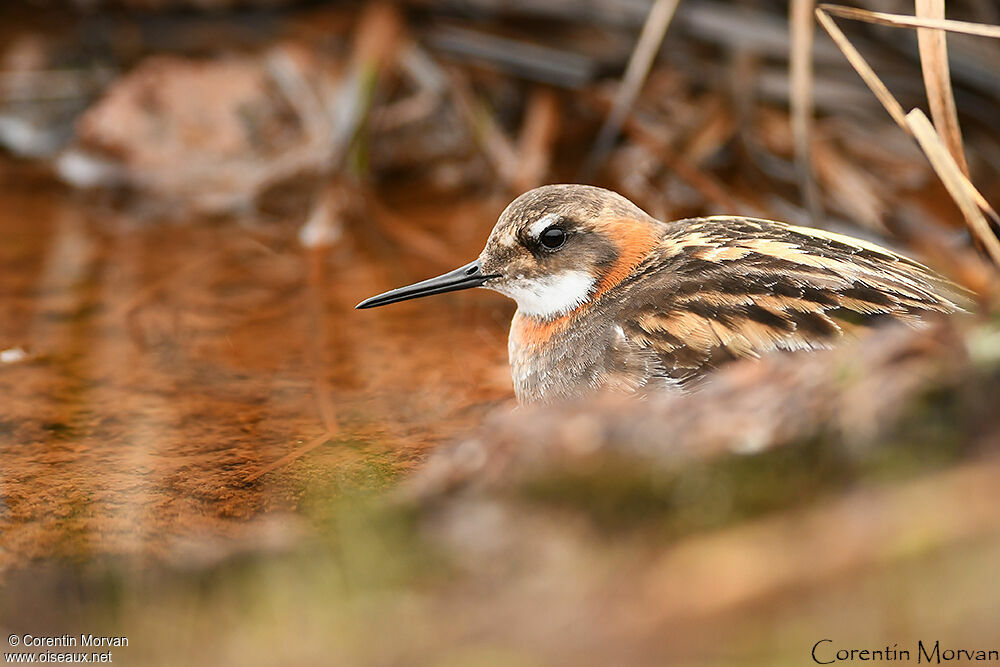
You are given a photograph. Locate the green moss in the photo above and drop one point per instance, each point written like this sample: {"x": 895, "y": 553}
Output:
{"x": 370, "y": 541}
{"x": 929, "y": 435}
{"x": 698, "y": 495}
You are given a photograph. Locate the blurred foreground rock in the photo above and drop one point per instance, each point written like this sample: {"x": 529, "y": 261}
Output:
{"x": 638, "y": 523}
{"x": 897, "y": 394}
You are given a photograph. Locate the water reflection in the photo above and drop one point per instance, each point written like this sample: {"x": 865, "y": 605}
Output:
{"x": 168, "y": 363}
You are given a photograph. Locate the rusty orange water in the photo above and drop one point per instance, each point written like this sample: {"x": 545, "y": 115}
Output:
{"x": 168, "y": 362}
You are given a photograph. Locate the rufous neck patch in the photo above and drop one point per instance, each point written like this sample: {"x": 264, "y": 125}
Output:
{"x": 634, "y": 241}
{"x": 530, "y": 332}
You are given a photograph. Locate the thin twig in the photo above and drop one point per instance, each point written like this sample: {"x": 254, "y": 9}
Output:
{"x": 857, "y": 61}
{"x": 639, "y": 63}
{"x": 903, "y": 21}
{"x": 705, "y": 183}
{"x": 954, "y": 179}
{"x": 538, "y": 133}
{"x": 494, "y": 143}
{"x": 959, "y": 187}
{"x": 289, "y": 457}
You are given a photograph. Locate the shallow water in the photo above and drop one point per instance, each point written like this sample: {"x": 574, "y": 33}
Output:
{"x": 155, "y": 370}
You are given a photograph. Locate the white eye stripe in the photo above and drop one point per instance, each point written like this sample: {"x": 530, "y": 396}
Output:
{"x": 538, "y": 226}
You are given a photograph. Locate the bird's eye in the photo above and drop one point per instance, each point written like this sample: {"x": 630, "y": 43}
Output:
{"x": 553, "y": 238}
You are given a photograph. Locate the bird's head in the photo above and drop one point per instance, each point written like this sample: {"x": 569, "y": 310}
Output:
{"x": 553, "y": 249}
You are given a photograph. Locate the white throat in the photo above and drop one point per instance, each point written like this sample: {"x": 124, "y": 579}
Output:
{"x": 549, "y": 296}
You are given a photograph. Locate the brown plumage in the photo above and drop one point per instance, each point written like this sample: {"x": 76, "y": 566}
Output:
{"x": 611, "y": 299}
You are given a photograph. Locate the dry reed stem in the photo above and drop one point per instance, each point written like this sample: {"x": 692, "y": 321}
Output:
{"x": 937, "y": 80}
{"x": 801, "y": 101}
{"x": 316, "y": 359}
{"x": 903, "y": 21}
{"x": 641, "y": 60}
{"x": 862, "y": 67}
{"x": 959, "y": 187}
{"x": 709, "y": 187}
{"x": 538, "y": 134}
{"x": 378, "y": 37}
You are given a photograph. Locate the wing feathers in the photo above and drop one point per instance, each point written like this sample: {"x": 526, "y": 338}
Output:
{"x": 738, "y": 287}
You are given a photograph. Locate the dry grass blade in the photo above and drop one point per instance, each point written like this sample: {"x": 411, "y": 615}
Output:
{"x": 713, "y": 190}
{"x": 538, "y": 134}
{"x": 317, "y": 340}
{"x": 961, "y": 190}
{"x": 937, "y": 80}
{"x": 857, "y": 61}
{"x": 414, "y": 239}
{"x": 289, "y": 457}
{"x": 903, "y": 21}
{"x": 642, "y": 58}
{"x": 966, "y": 196}
{"x": 377, "y": 40}
{"x": 496, "y": 146}
{"x": 801, "y": 101}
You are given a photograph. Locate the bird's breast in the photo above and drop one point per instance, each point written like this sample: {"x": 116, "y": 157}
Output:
{"x": 546, "y": 358}
{"x": 583, "y": 354}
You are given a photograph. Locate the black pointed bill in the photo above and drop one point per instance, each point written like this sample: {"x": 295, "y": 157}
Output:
{"x": 470, "y": 275}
